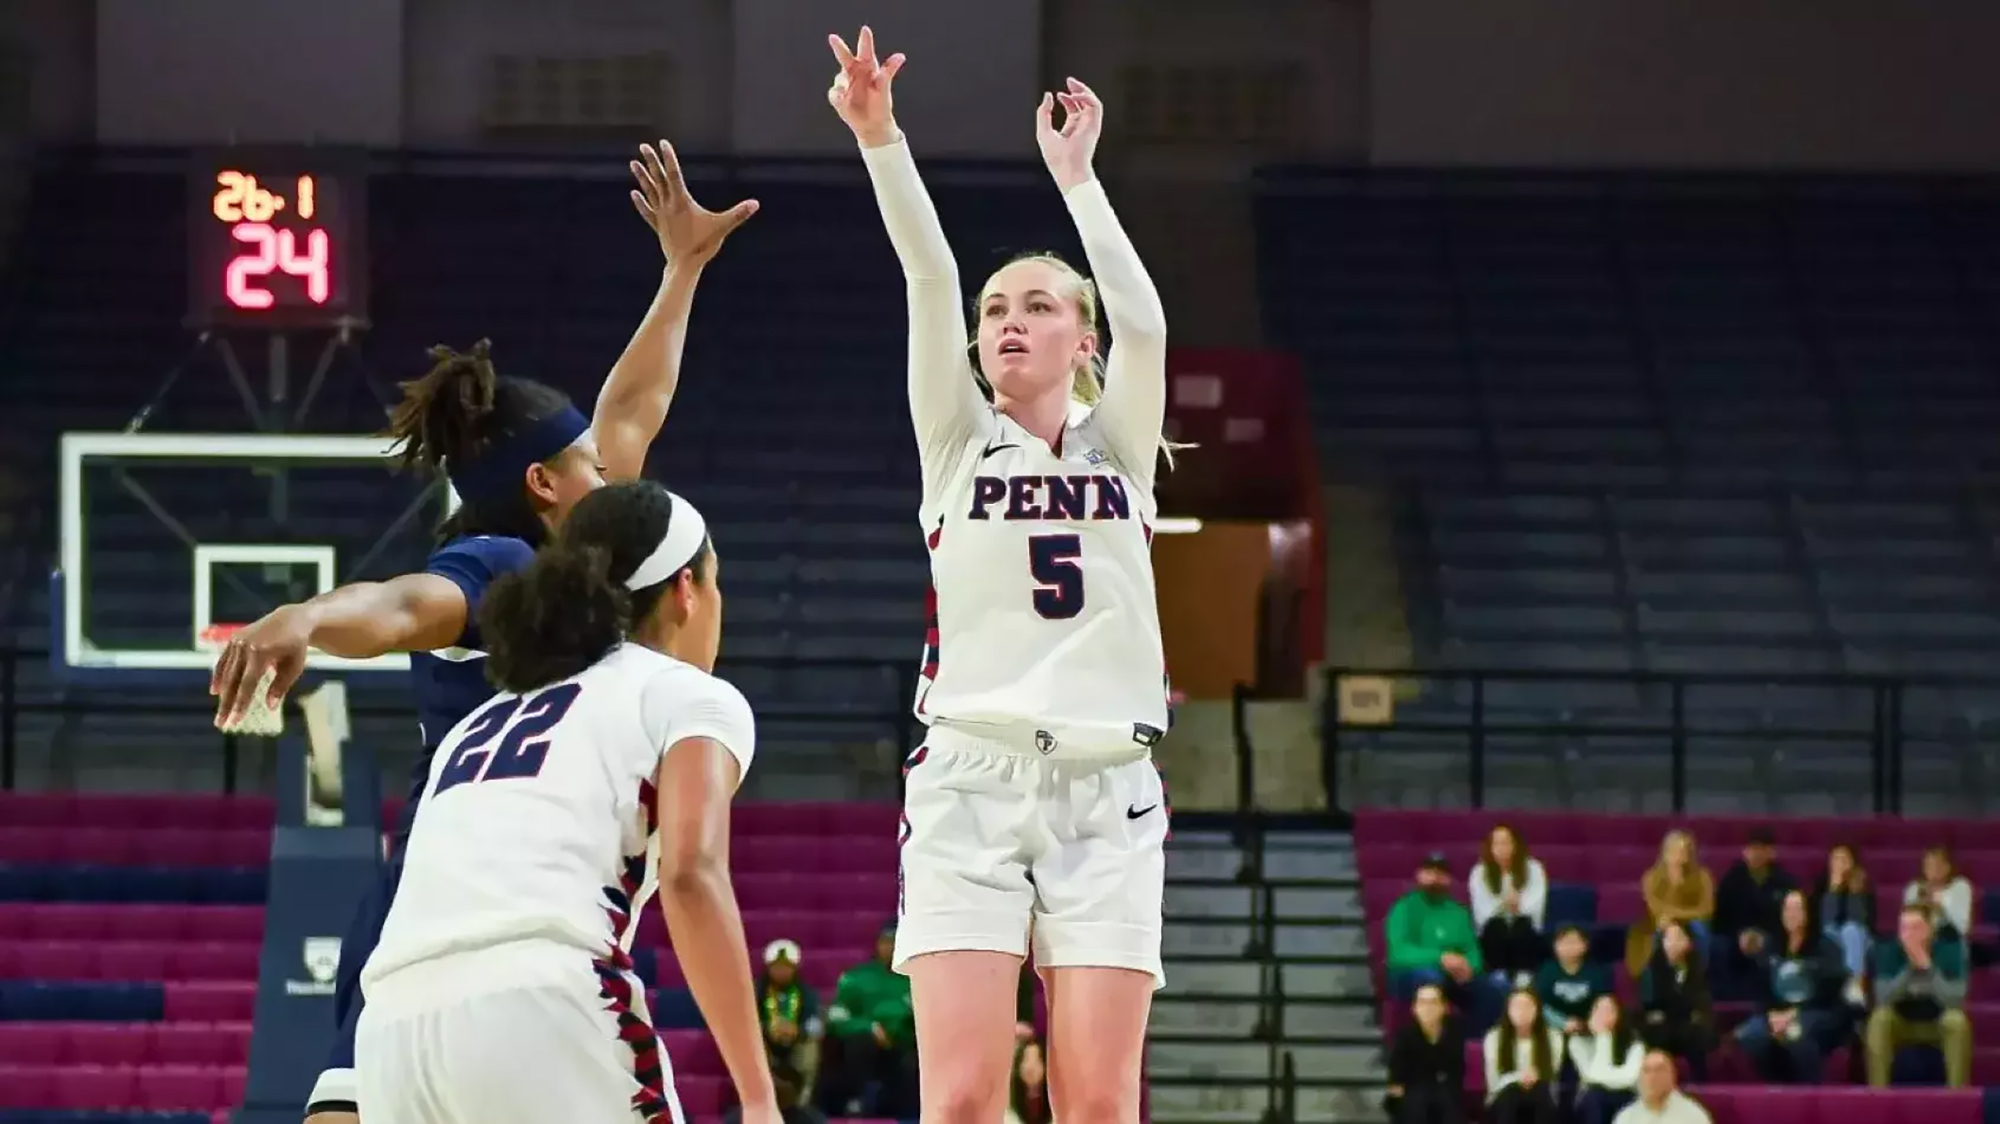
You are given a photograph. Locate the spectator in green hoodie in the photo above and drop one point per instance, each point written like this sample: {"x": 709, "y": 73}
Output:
{"x": 1431, "y": 940}
{"x": 872, "y": 1040}
{"x": 1570, "y": 984}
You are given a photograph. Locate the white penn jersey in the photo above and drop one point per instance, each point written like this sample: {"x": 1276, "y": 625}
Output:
{"x": 538, "y": 823}
{"x": 1044, "y": 613}
{"x": 1044, "y": 609}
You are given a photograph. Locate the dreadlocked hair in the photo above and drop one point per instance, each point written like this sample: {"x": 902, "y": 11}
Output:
{"x": 454, "y": 412}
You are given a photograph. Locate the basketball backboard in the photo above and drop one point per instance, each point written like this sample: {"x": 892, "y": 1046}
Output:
{"x": 171, "y": 540}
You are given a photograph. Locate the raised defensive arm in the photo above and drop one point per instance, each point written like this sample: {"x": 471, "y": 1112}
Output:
{"x": 632, "y": 404}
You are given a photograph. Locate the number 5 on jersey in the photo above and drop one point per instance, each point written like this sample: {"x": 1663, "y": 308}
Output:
{"x": 522, "y": 725}
{"x": 1052, "y": 559}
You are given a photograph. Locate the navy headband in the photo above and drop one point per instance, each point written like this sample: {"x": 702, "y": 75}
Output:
{"x": 496, "y": 472}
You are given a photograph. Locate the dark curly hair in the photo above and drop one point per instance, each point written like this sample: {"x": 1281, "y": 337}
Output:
{"x": 453, "y": 413}
{"x": 570, "y": 607}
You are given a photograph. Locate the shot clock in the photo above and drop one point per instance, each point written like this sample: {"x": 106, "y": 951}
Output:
{"x": 277, "y": 239}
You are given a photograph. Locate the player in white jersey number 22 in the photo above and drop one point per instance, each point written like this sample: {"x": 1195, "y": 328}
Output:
{"x": 502, "y": 989}
{"x": 1033, "y": 804}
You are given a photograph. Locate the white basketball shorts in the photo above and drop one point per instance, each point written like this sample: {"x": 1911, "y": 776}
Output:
{"x": 528, "y": 1054}
{"x": 994, "y": 836}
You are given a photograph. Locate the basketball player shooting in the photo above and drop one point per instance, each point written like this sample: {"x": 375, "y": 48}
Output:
{"x": 520, "y": 457}
{"x": 1033, "y": 798}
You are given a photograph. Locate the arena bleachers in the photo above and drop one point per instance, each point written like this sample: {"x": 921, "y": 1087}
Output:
{"x": 1594, "y": 864}
{"x": 130, "y": 930}
{"x": 1660, "y": 423}
{"x": 1669, "y": 424}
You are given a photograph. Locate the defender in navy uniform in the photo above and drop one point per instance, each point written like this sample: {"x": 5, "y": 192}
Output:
{"x": 520, "y": 456}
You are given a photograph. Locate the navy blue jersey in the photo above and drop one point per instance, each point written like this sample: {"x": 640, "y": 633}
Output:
{"x": 451, "y": 683}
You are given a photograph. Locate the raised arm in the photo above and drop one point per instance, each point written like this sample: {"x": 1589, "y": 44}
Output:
{"x": 632, "y": 404}
{"x": 1134, "y": 407}
{"x": 945, "y": 405}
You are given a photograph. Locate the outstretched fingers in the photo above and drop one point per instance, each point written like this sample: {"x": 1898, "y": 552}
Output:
{"x": 738, "y": 215}
{"x": 666, "y": 165}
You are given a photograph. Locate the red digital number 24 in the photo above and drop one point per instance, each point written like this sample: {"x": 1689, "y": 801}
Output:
{"x": 275, "y": 250}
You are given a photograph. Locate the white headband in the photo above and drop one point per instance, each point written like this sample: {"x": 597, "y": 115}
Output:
{"x": 686, "y": 532}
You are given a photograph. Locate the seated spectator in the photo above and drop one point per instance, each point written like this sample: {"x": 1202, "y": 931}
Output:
{"x": 1510, "y": 898}
{"x": 1678, "y": 890}
{"x": 789, "y": 1011}
{"x": 1660, "y": 1102}
{"x": 1946, "y": 892}
{"x": 1569, "y": 984}
{"x": 1427, "y": 1064}
{"x": 1919, "y": 1000}
{"x": 1746, "y": 910}
{"x": 1028, "y": 1088}
{"x": 1523, "y": 1059}
{"x": 1803, "y": 1014}
{"x": 1430, "y": 940}
{"x": 1607, "y": 1059}
{"x": 1673, "y": 994}
{"x": 872, "y": 1040}
{"x": 1844, "y": 901}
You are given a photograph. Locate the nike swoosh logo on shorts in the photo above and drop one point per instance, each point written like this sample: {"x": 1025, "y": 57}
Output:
{"x": 1135, "y": 813}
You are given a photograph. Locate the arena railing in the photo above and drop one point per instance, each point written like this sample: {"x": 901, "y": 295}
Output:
{"x": 1370, "y": 717}
{"x": 892, "y": 713}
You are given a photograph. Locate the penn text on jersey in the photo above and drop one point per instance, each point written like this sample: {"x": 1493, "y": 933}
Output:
{"x": 1078, "y": 497}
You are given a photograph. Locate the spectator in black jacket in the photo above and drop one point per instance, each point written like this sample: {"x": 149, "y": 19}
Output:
{"x": 1804, "y": 1015}
{"x": 1673, "y": 994}
{"x": 1746, "y": 912}
{"x": 1843, "y": 901}
{"x": 1427, "y": 1064}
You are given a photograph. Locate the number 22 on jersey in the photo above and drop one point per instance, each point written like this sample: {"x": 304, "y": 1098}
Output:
{"x": 521, "y": 727}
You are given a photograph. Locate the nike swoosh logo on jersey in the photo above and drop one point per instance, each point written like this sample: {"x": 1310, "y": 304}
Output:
{"x": 1135, "y": 813}
{"x": 992, "y": 449}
